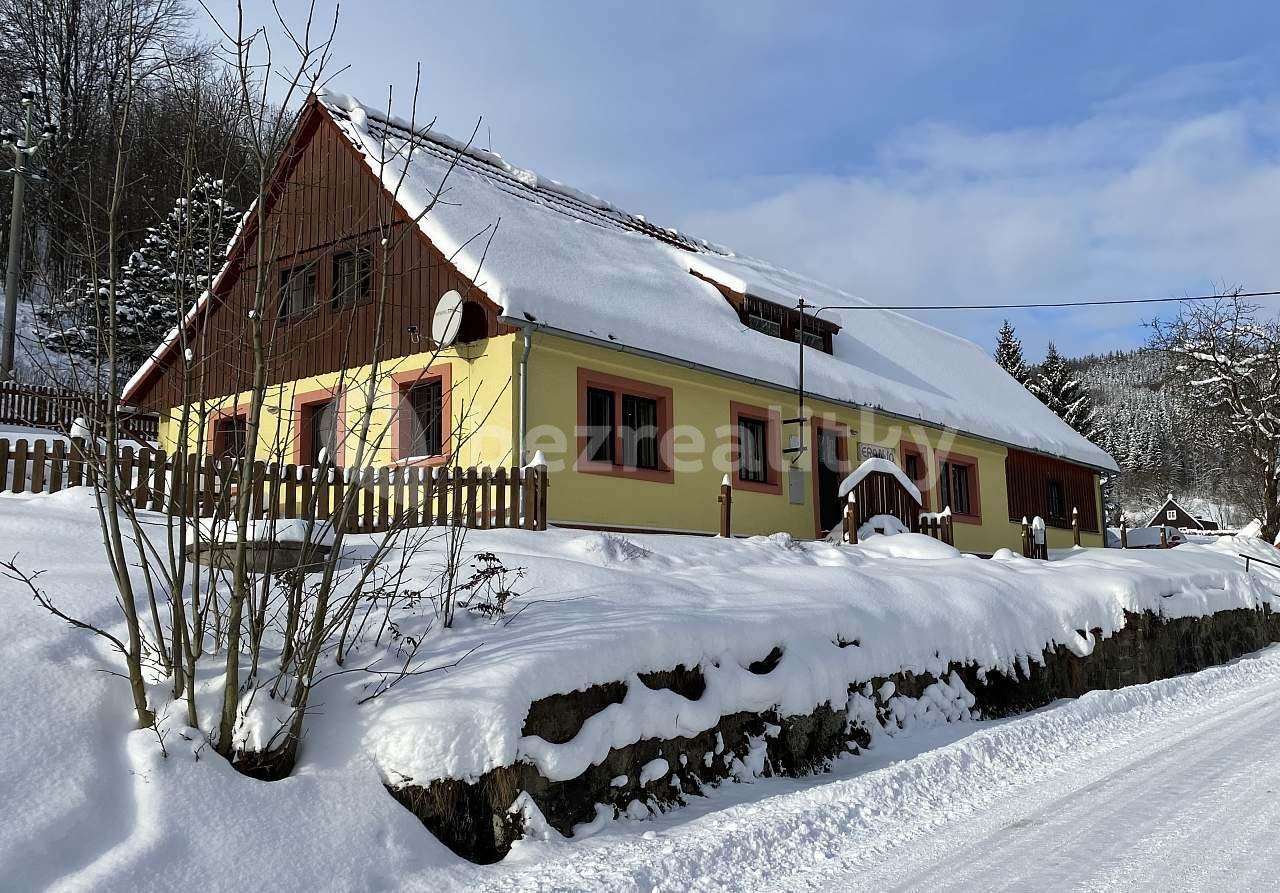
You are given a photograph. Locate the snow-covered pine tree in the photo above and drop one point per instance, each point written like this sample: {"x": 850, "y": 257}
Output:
{"x": 1060, "y": 389}
{"x": 159, "y": 281}
{"x": 1009, "y": 353}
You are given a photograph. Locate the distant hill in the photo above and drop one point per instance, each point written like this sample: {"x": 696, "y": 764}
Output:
{"x": 1162, "y": 440}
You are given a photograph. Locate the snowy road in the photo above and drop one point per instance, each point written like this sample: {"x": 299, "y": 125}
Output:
{"x": 1173, "y": 785}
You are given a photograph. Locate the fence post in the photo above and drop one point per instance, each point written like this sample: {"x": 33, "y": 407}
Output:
{"x": 1075, "y": 525}
{"x": 851, "y": 519}
{"x": 1026, "y": 537}
{"x": 726, "y": 507}
{"x": 1124, "y": 533}
{"x": 1039, "y": 539}
{"x": 1164, "y": 537}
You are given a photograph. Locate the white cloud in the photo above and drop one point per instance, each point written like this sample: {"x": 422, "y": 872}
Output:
{"x": 1130, "y": 201}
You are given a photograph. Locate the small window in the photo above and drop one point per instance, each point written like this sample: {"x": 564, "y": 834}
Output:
{"x": 1171, "y": 515}
{"x": 600, "y": 434}
{"x": 351, "y": 277}
{"x": 1057, "y": 501}
{"x": 957, "y": 482}
{"x": 320, "y": 421}
{"x": 753, "y": 457}
{"x": 639, "y": 432}
{"x": 767, "y": 326}
{"x": 811, "y": 339}
{"x": 297, "y": 290}
{"x": 230, "y": 436}
{"x": 423, "y": 404}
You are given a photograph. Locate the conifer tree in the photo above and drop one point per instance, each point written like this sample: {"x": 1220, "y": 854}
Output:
{"x": 1009, "y": 353}
{"x": 159, "y": 281}
{"x": 1061, "y": 390}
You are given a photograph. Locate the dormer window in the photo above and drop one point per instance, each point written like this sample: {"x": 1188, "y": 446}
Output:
{"x": 777, "y": 320}
{"x": 782, "y": 322}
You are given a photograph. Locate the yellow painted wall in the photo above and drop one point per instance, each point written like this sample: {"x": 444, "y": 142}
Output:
{"x": 485, "y": 396}
{"x": 701, "y": 402}
{"x": 481, "y": 394}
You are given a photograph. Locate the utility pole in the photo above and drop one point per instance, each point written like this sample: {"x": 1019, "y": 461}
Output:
{"x": 24, "y": 149}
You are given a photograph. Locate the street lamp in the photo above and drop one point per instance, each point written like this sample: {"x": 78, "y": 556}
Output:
{"x": 24, "y": 149}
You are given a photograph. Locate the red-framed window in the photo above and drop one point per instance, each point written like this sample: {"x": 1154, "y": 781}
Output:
{"x": 958, "y": 487}
{"x": 624, "y": 427}
{"x": 422, "y": 424}
{"x": 756, "y": 452}
{"x": 318, "y": 426}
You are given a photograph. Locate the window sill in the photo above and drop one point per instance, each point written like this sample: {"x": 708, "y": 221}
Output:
{"x": 652, "y": 475}
{"x": 419, "y": 461}
{"x": 958, "y": 518}
{"x": 772, "y": 488}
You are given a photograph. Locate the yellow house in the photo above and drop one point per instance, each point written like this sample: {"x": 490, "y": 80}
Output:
{"x": 644, "y": 365}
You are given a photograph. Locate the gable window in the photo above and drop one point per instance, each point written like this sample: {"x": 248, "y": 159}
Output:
{"x": 351, "y": 277}
{"x": 958, "y": 486}
{"x": 622, "y": 424}
{"x": 297, "y": 290}
{"x": 1171, "y": 515}
{"x": 1057, "y": 501}
{"x": 230, "y": 436}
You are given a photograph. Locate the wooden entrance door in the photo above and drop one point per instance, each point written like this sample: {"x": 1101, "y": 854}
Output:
{"x": 828, "y": 474}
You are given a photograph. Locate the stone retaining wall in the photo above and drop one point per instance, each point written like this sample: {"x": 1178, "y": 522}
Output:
{"x": 475, "y": 820}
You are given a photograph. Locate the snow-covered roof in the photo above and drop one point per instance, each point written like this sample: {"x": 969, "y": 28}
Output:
{"x": 883, "y": 466}
{"x": 573, "y": 263}
{"x": 1157, "y": 518}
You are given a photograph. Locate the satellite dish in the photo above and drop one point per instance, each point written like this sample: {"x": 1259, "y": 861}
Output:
{"x": 447, "y": 318}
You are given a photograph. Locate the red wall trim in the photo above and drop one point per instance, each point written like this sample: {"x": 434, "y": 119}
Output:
{"x": 773, "y": 447}
{"x": 402, "y": 381}
{"x": 817, "y": 424}
{"x": 590, "y": 378}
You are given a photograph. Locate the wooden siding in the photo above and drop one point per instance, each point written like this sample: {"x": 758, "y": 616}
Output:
{"x": 1027, "y": 477}
{"x": 327, "y": 201}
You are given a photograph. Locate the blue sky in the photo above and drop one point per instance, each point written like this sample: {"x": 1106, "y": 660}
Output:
{"x": 921, "y": 153}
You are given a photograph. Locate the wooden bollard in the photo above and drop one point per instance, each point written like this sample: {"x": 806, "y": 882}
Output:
{"x": 1075, "y": 525}
{"x": 850, "y": 520}
{"x": 726, "y": 507}
{"x": 1124, "y": 533}
{"x": 1164, "y": 537}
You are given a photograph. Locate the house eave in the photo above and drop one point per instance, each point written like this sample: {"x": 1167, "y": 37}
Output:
{"x": 759, "y": 382}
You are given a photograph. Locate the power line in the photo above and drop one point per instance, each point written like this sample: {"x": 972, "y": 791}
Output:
{"x": 1106, "y": 302}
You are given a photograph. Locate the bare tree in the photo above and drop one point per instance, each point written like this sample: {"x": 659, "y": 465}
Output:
{"x": 1227, "y": 355}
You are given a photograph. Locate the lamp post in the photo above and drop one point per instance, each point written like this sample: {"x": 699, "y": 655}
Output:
{"x": 24, "y": 148}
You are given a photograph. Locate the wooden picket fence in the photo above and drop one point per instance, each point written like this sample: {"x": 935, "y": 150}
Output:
{"x": 938, "y": 526}
{"x": 44, "y": 406}
{"x": 385, "y": 498}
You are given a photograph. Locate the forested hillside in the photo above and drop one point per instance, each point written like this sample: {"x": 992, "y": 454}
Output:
{"x": 1163, "y": 440}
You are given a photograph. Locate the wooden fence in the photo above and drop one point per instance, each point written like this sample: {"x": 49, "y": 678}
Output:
{"x": 202, "y": 486}
{"x": 43, "y": 406}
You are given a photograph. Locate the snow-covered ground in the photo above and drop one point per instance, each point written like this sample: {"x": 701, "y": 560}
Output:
{"x": 1168, "y": 786}
{"x": 91, "y": 803}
